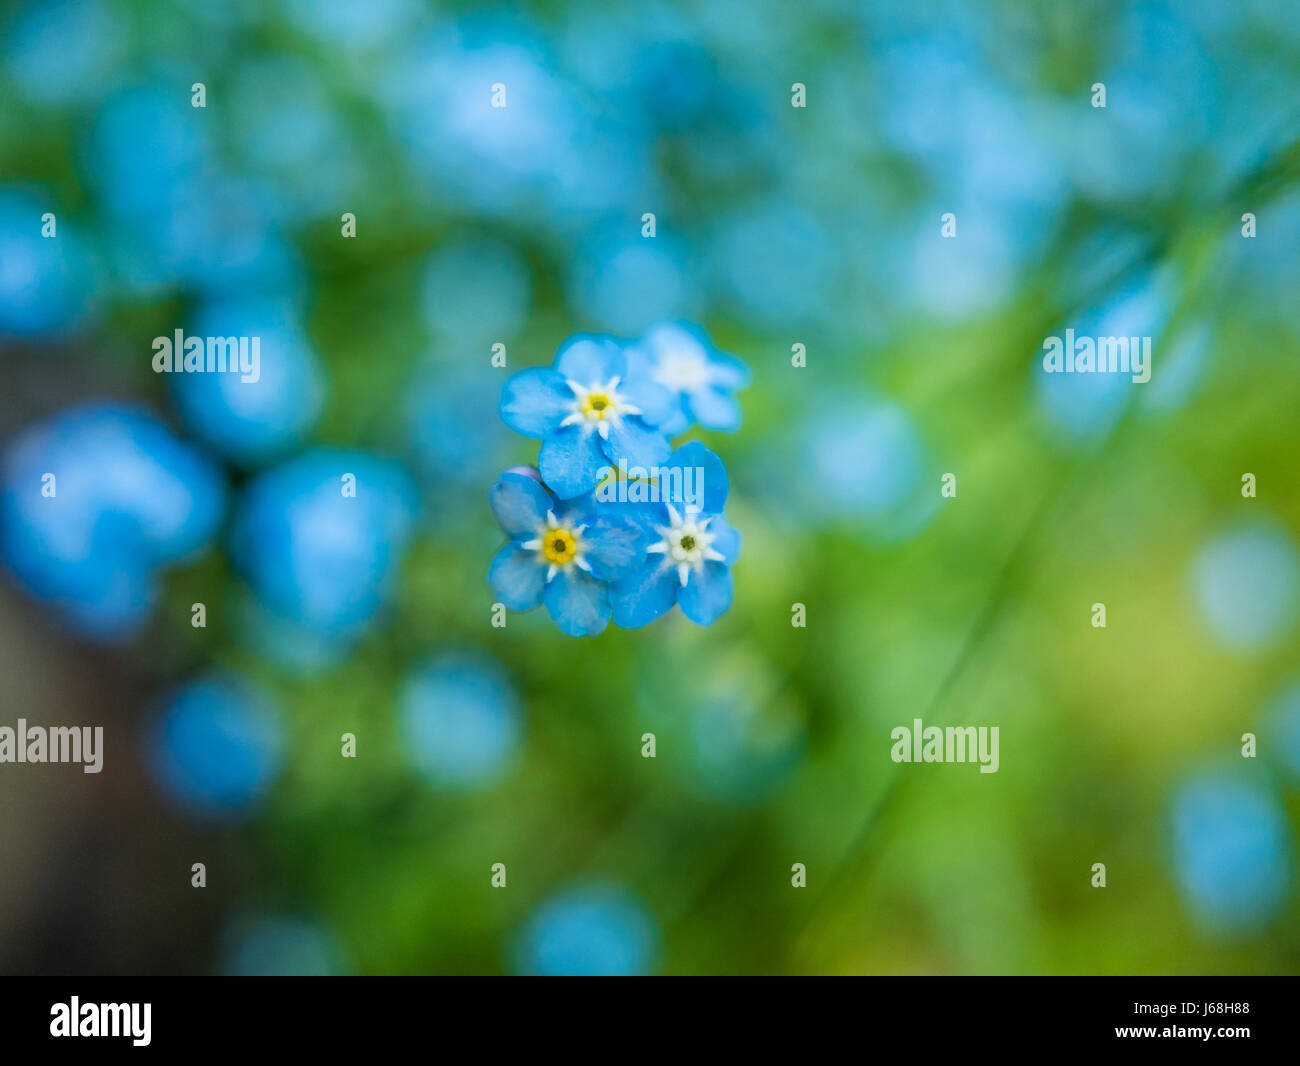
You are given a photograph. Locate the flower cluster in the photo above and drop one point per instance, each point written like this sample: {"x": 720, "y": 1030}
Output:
{"x": 613, "y": 522}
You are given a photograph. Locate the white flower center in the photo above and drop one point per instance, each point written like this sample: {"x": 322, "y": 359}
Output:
{"x": 687, "y": 543}
{"x": 682, "y": 370}
{"x": 598, "y": 406}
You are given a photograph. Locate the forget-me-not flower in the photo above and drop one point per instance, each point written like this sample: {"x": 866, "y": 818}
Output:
{"x": 702, "y": 380}
{"x": 685, "y": 547}
{"x": 591, "y": 411}
{"x": 561, "y": 552}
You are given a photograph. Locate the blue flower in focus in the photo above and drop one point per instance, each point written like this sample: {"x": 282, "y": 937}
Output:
{"x": 593, "y": 930}
{"x": 702, "y": 381}
{"x": 560, "y": 552}
{"x": 218, "y": 747}
{"x": 1232, "y": 852}
{"x": 460, "y": 721}
{"x": 127, "y": 499}
{"x": 320, "y": 537}
{"x": 685, "y": 548}
{"x": 593, "y": 409}
{"x": 252, "y": 421}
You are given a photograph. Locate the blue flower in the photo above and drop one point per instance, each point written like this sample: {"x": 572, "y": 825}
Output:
{"x": 279, "y": 945}
{"x": 460, "y": 721}
{"x": 596, "y": 930}
{"x": 319, "y": 539}
{"x": 703, "y": 382}
{"x": 126, "y": 500}
{"x": 560, "y": 552}
{"x": 591, "y": 411}
{"x": 218, "y": 746}
{"x": 684, "y": 548}
{"x": 1232, "y": 852}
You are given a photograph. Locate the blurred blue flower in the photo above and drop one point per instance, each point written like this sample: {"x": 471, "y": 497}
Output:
{"x": 62, "y": 52}
{"x": 776, "y": 261}
{"x": 44, "y": 281}
{"x": 561, "y": 552}
{"x": 251, "y": 422}
{"x": 279, "y": 945}
{"x": 349, "y": 24}
{"x": 590, "y": 930}
{"x": 288, "y": 129}
{"x": 622, "y": 281}
{"x": 1087, "y": 407}
{"x": 145, "y": 145}
{"x": 1232, "y": 852}
{"x": 475, "y": 292}
{"x": 317, "y": 555}
{"x": 683, "y": 360}
{"x": 128, "y": 500}
{"x": 454, "y": 437}
{"x": 1282, "y": 730}
{"x": 547, "y": 149}
{"x": 218, "y": 746}
{"x": 460, "y": 721}
{"x": 590, "y": 411}
{"x": 1246, "y": 582}
{"x": 685, "y": 549}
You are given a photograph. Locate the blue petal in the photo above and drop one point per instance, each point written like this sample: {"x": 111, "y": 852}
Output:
{"x": 676, "y": 423}
{"x": 578, "y": 602}
{"x": 707, "y": 594}
{"x": 632, "y": 440}
{"x": 571, "y": 461}
{"x": 728, "y": 372}
{"x": 644, "y": 595}
{"x": 520, "y": 504}
{"x": 613, "y": 544}
{"x": 590, "y": 360}
{"x": 726, "y": 539}
{"x": 658, "y": 405}
{"x": 517, "y": 577}
{"x": 534, "y": 402}
{"x": 714, "y": 409}
{"x": 708, "y": 478}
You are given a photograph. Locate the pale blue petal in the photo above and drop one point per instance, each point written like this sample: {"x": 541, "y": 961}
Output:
{"x": 708, "y": 478}
{"x": 613, "y": 545}
{"x": 534, "y": 402}
{"x": 714, "y": 409}
{"x": 578, "y": 603}
{"x": 520, "y": 504}
{"x": 646, "y": 594}
{"x": 728, "y": 372}
{"x": 591, "y": 360}
{"x": 707, "y": 594}
{"x": 517, "y": 577}
{"x": 657, "y": 404}
{"x": 632, "y": 440}
{"x": 726, "y": 539}
{"x": 571, "y": 461}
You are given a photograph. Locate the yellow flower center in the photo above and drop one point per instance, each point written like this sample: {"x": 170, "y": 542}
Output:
{"x": 559, "y": 546}
{"x": 596, "y": 404}
{"x": 688, "y": 542}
